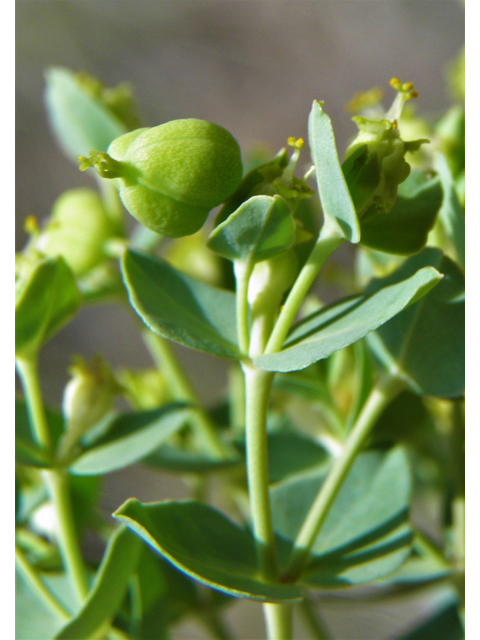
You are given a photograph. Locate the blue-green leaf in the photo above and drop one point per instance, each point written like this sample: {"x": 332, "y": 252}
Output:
{"x": 45, "y": 301}
{"x": 366, "y": 533}
{"x": 206, "y": 545}
{"x": 260, "y": 228}
{"x": 174, "y": 459}
{"x": 335, "y": 197}
{"x": 343, "y": 323}
{"x": 451, "y": 215}
{"x": 131, "y": 437}
{"x": 442, "y": 622}
{"x": 181, "y": 308}
{"x": 404, "y": 230}
{"x": 425, "y": 344}
{"x": 81, "y": 123}
{"x": 109, "y": 589}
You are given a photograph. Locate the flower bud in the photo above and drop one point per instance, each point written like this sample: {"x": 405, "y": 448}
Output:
{"x": 375, "y": 162}
{"x": 78, "y": 229}
{"x": 171, "y": 176}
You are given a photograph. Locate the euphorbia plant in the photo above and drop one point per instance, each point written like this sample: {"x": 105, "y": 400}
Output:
{"x": 337, "y": 415}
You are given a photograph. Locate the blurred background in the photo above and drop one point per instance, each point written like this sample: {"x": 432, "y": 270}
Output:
{"x": 253, "y": 67}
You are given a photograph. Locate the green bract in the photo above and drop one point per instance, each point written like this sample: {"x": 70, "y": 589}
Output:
{"x": 78, "y": 229}
{"x": 170, "y": 177}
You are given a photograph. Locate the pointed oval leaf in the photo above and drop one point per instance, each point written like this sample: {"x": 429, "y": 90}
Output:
{"x": 45, "y": 301}
{"x": 109, "y": 589}
{"x": 80, "y": 122}
{"x": 343, "y": 323}
{"x": 206, "y": 545}
{"x": 181, "y": 308}
{"x": 425, "y": 344}
{"x": 404, "y": 230}
{"x": 131, "y": 437}
{"x": 260, "y": 228}
{"x": 335, "y": 197}
{"x": 181, "y": 461}
{"x": 365, "y": 535}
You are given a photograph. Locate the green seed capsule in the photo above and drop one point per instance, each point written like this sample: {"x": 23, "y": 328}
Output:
{"x": 171, "y": 176}
{"x": 77, "y": 230}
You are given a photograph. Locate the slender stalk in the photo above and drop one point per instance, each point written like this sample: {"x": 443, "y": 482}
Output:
{"x": 32, "y": 576}
{"x": 379, "y": 398}
{"x": 181, "y": 389}
{"x": 278, "y": 618}
{"x": 258, "y": 384}
{"x": 243, "y": 271}
{"x": 215, "y": 625}
{"x": 315, "y": 625}
{"x": 328, "y": 240}
{"x": 57, "y": 481}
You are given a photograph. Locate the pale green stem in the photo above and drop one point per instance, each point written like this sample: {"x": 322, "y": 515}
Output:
{"x": 328, "y": 240}
{"x": 243, "y": 271}
{"x": 236, "y": 392}
{"x": 57, "y": 481}
{"x": 258, "y": 384}
{"x": 111, "y": 200}
{"x": 278, "y": 618}
{"x": 312, "y": 619}
{"x": 379, "y": 398}
{"x": 181, "y": 389}
{"x": 33, "y": 578}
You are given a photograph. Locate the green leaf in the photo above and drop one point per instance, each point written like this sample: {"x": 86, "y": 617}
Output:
{"x": 206, "y": 545}
{"x": 45, "y": 301}
{"x": 27, "y": 451}
{"x": 404, "y": 230}
{"x": 335, "y": 197}
{"x": 258, "y": 181}
{"x": 260, "y": 228}
{"x": 451, "y": 215}
{"x": 109, "y": 588}
{"x": 425, "y": 344}
{"x": 443, "y": 623}
{"x": 366, "y": 533}
{"x": 131, "y": 437}
{"x": 174, "y": 459}
{"x": 80, "y": 122}
{"x": 343, "y": 323}
{"x": 421, "y": 567}
{"x": 181, "y": 308}
{"x": 33, "y": 618}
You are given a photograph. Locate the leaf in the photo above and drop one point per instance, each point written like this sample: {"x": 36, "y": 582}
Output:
{"x": 443, "y": 623}
{"x": 109, "y": 588}
{"x": 33, "y": 619}
{"x": 425, "y": 344}
{"x": 421, "y": 567}
{"x": 206, "y": 545}
{"x": 404, "y": 230}
{"x": 366, "y": 533}
{"x": 451, "y": 215}
{"x": 335, "y": 197}
{"x": 343, "y": 323}
{"x": 260, "y": 228}
{"x": 80, "y": 122}
{"x": 174, "y": 459}
{"x": 45, "y": 301}
{"x": 181, "y": 308}
{"x": 131, "y": 437}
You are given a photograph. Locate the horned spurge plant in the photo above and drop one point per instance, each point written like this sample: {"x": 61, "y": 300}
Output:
{"x": 337, "y": 418}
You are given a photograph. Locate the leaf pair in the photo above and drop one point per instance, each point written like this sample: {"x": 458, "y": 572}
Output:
{"x": 365, "y": 536}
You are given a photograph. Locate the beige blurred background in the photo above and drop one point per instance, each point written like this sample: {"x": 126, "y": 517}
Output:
{"x": 253, "y": 66}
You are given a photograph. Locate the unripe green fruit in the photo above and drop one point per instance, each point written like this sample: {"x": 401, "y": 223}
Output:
{"x": 171, "y": 176}
{"x": 77, "y": 230}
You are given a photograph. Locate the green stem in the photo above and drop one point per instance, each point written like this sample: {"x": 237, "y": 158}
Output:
{"x": 327, "y": 242}
{"x": 278, "y": 618}
{"x": 57, "y": 481}
{"x": 181, "y": 389}
{"x": 243, "y": 271}
{"x": 378, "y": 399}
{"x": 315, "y": 625}
{"x": 32, "y": 576}
{"x": 257, "y": 385}
{"x": 215, "y": 625}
